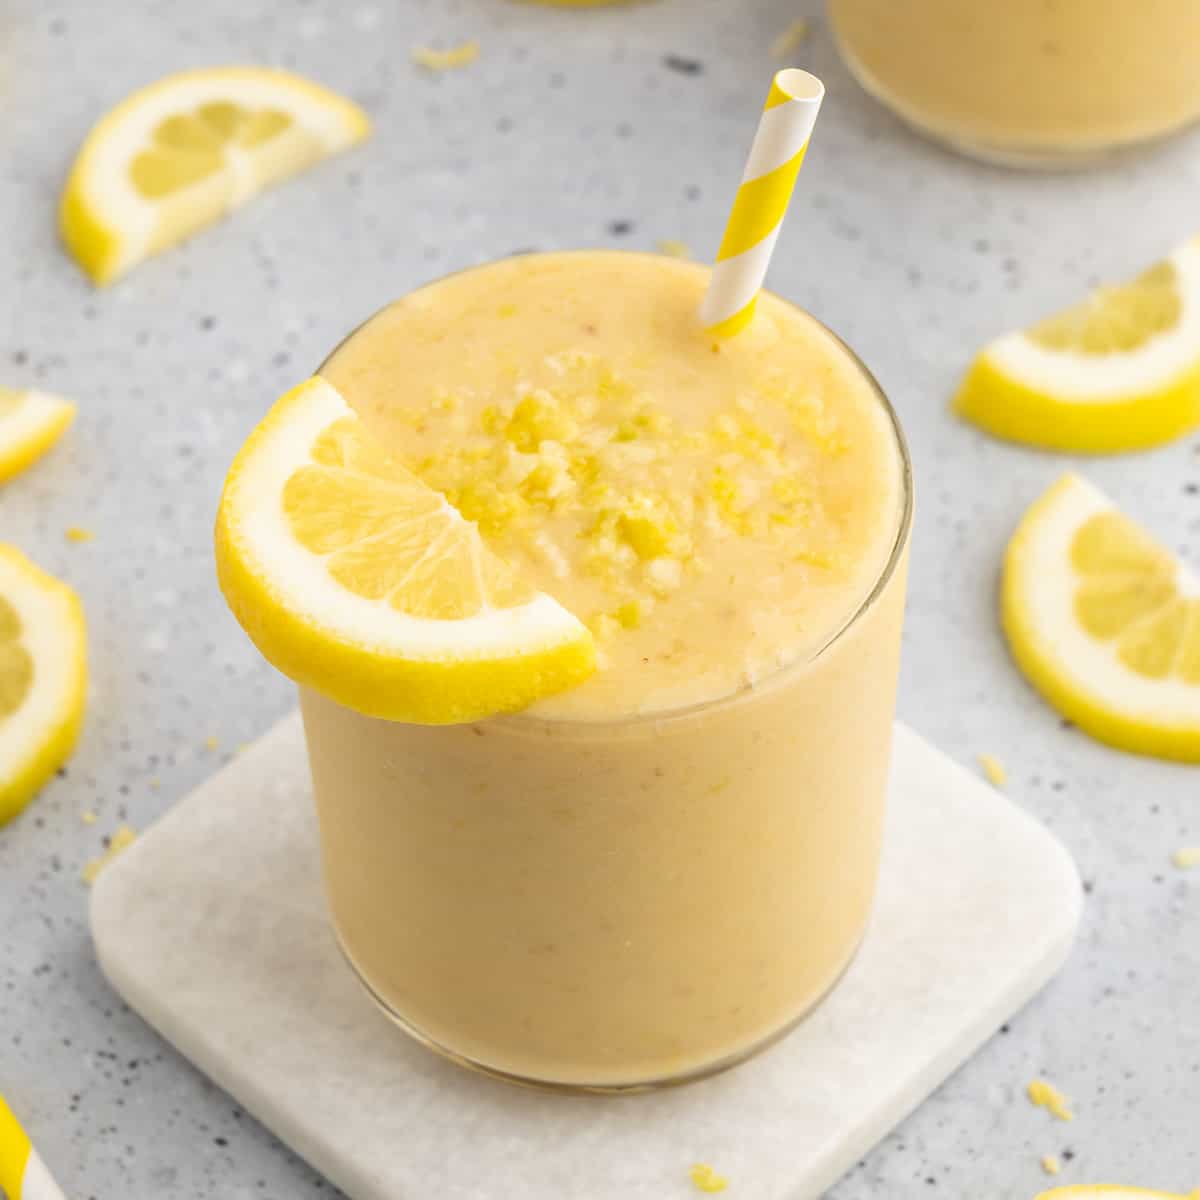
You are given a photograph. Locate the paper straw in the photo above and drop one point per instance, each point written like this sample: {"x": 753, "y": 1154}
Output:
{"x": 23, "y": 1175}
{"x": 762, "y": 201}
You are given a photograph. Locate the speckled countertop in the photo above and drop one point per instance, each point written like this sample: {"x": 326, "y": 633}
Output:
{"x": 612, "y": 128}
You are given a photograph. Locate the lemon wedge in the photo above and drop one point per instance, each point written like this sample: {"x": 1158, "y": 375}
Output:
{"x": 1119, "y": 371}
{"x": 177, "y": 155}
{"x": 355, "y": 578}
{"x": 1105, "y": 622}
{"x": 30, "y": 423}
{"x": 43, "y": 678}
{"x": 1107, "y": 1191}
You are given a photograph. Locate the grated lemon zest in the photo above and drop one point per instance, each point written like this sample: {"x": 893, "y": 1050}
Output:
{"x": 674, "y": 249}
{"x": 120, "y": 841}
{"x": 446, "y": 60}
{"x": 1046, "y": 1095}
{"x": 790, "y": 38}
{"x": 706, "y": 1179}
{"x": 993, "y": 769}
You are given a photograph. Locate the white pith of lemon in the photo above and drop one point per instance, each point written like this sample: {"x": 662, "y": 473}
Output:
{"x": 355, "y": 578}
{"x": 1105, "y": 622}
{"x": 43, "y": 677}
{"x": 179, "y": 154}
{"x": 1119, "y": 371}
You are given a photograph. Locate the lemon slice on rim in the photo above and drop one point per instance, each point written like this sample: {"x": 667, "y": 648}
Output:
{"x": 1119, "y": 371}
{"x": 43, "y": 678}
{"x": 30, "y": 423}
{"x": 179, "y": 154}
{"x": 355, "y": 578}
{"x": 1105, "y": 622}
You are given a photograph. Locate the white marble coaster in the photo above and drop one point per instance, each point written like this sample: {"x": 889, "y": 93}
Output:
{"x": 213, "y": 927}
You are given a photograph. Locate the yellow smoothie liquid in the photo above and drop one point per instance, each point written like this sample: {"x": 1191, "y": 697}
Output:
{"x": 649, "y": 876}
{"x": 1033, "y": 80}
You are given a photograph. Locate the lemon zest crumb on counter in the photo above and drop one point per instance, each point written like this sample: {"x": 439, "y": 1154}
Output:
{"x": 154, "y": 783}
{"x": 77, "y": 534}
{"x": 1046, "y": 1095}
{"x": 706, "y": 1179}
{"x": 1185, "y": 858}
{"x": 446, "y": 60}
{"x": 88, "y": 817}
{"x": 790, "y": 38}
{"x": 211, "y": 744}
{"x": 993, "y": 769}
{"x": 674, "y": 249}
{"x": 1050, "y": 1164}
{"x": 120, "y": 841}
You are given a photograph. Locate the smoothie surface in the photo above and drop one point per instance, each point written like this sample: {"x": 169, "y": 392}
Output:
{"x": 712, "y": 509}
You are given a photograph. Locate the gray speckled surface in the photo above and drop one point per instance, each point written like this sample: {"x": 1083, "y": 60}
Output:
{"x": 568, "y": 126}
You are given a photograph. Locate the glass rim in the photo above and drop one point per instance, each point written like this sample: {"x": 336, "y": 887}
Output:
{"x": 529, "y": 722}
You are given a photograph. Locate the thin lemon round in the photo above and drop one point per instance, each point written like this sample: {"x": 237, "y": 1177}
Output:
{"x": 355, "y": 578}
{"x": 1119, "y": 371}
{"x": 179, "y": 154}
{"x": 43, "y": 678}
{"x": 30, "y": 424}
{"x": 1105, "y": 623}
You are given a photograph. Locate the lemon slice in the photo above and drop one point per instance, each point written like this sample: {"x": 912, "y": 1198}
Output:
{"x": 1120, "y": 371}
{"x": 1107, "y": 1191}
{"x": 1105, "y": 622}
{"x": 43, "y": 677}
{"x": 177, "y": 155}
{"x": 30, "y": 423}
{"x": 355, "y": 578}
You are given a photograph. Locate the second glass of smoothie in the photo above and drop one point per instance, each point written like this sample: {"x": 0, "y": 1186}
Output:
{"x": 1028, "y": 82}
{"x": 651, "y": 876}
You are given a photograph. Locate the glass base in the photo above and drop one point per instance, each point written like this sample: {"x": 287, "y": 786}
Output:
{"x": 598, "y": 1089}
{"x": 1007, "y": 154}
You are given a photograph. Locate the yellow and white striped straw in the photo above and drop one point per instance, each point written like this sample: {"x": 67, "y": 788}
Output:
{"x": 762, "y": 201}
{"x": 23, "y": 1175}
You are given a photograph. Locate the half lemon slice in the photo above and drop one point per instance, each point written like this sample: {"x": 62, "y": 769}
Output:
{"x": 355, "y": 578}
{"x": 1105, "y": 622}
{"x": 179, "y": 154}
{"x": 43, "y": 678}
{"x": 1119, "y": 371}
{"x": 30, "y": 423}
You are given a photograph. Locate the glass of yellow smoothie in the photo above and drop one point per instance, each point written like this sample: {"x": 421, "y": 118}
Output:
{"x": 652, "y": 875}
{"x": 1028, "y": 82}
{"x": 648, "y": 876}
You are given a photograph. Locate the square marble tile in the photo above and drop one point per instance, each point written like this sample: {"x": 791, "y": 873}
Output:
{"x": 213, "y": 927}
